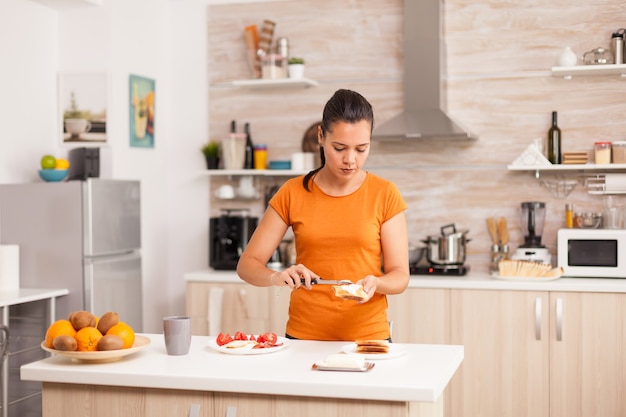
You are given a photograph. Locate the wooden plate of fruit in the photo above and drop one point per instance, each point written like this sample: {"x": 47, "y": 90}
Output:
{"x": 99, "y": 356}
{"x": 84, "y": 337}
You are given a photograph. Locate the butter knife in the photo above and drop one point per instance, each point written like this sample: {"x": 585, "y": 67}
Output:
{"x": 328, "y": 281}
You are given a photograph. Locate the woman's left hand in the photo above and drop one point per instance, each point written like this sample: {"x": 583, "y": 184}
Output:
{"x": 369, "y": 284}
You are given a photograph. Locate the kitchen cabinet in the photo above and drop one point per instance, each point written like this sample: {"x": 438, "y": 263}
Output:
{"x": 244, "y": 307}
{"x": 420, "y": 316}
{"x": 552, "y": 354}
{"x": 27, "y": 313}
{"x": 587, "y": 366}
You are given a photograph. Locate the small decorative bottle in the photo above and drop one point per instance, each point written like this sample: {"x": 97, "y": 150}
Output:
{"x": 249, "y": 161}
{"x": 554, "y": 142}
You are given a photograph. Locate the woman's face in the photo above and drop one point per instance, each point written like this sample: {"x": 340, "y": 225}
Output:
{"x": 346, "y": 147}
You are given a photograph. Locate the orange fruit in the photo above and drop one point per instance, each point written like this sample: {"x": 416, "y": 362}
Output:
{"x": 124, "y": 331}
{"x": 59, "y": 328}
{"x": 87, "y": 339}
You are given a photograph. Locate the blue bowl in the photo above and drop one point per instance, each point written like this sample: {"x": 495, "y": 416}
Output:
{"x": 280, "y": 164}
{"x": 53, "y": 175}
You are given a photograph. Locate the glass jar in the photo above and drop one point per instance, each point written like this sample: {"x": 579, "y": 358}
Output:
{"x": 274, "y": 67}
{"x": 598, "y": 56}
{"x": 619, "y": 152}
{"x": 602, "y": 151}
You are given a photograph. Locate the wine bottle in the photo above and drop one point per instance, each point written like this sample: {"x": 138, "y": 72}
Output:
{"x": 249, "y": 161}
{"x": 554, "y": 142}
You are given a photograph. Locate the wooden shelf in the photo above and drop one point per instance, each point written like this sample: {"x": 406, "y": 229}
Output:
{"x": 609, "y": 69}
{"x": 252, "y": 172}
{"x": 263, "y": 84}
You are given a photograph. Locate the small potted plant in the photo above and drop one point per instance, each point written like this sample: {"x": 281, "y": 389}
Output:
{"x": 211, "y": 153}
{"x": 296, "y": 67}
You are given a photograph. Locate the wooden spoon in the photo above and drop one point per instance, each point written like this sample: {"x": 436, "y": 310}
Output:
{"x": 491, "y": 226}
{"x": 503, "y": 232}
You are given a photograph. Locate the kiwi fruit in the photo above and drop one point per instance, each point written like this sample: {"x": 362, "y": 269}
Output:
{"x": 65, "y": 342}
{"x": 110, "y": 342}
{"x": 108, "y": 320}
{"x": 82, "y": 318}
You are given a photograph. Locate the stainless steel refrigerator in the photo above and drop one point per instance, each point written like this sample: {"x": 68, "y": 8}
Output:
{"x": 80, "y": 235}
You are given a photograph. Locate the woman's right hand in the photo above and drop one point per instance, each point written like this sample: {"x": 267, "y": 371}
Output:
{"x": 295, "y": 276}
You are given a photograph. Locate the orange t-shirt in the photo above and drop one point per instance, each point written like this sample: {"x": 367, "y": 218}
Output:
{"x": 338, "y": 238}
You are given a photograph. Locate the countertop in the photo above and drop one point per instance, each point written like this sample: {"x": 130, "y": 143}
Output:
{"x": 476, "y": 281}
{"x": 420, "y": 374}
{"x": 26, "y": 295}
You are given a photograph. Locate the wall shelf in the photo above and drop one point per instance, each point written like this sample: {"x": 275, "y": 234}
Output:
{"x": 264, "y": 84}
{"x": 565, "y": 177}
{"x": 568, "y": 167}
{"x": 608, "y": 69}
{"x": 252, "y": 172}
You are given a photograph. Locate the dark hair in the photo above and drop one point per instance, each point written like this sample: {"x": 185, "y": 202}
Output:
{"x": 344, "y": 106}
{"x": 309, "y": 140}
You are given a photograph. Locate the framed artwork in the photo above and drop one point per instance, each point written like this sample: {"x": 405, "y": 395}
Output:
{"x": 83, "y": 107}
{"x": 141, "y": 115}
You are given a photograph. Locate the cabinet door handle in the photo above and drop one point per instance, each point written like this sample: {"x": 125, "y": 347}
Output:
{"x": 559, "y": 319}
{"x": 538, "y": 318}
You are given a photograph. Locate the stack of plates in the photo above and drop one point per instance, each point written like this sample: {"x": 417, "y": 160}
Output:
{"x": 575, "y": 157}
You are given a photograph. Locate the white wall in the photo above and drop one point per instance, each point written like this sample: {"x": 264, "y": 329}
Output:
{"x": 158, "y": 39}
{"x": 28, "y": 59}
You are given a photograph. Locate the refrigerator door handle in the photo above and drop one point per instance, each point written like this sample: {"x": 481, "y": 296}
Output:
{"x": 88, "y": 285}
{"x": 114, "y": 257}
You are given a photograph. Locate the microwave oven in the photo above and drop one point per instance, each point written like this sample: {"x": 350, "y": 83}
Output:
{"x": 593, "y": 253}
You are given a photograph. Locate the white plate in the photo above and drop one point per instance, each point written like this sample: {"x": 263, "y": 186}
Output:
{"x": 242, "y": 351}
{"x": 527, "y": 279}
{"x": 101, "y": 356}
{"x": 321, "y": 367}
{"x": 394, "y": 351}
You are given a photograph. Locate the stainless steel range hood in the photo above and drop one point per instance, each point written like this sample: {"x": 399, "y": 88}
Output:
{"x": 422, "y": 117}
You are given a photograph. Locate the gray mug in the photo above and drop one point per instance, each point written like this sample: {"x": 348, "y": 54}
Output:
{"x": 177, "y": 333}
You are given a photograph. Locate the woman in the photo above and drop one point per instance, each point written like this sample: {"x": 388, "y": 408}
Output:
{"x": 346, "y": 222}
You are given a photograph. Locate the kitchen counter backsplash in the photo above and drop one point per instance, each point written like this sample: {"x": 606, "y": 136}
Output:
{"x": 496, "y": 82}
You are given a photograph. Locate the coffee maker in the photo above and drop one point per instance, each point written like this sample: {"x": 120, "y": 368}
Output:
{"x": 533, "y": 214}
{"x": 228, "y": 236}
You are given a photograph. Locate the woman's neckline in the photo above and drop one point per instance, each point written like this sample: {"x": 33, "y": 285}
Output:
{"x": 339, "y": 193}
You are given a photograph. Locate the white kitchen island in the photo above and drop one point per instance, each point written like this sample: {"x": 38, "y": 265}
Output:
{"x": 279, "y": 384}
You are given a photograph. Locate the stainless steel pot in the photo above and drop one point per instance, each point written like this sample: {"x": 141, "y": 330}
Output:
{"x": 447, "y": 248}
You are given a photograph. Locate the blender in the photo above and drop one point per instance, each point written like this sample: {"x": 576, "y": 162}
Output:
{"x": 533, "y": 214}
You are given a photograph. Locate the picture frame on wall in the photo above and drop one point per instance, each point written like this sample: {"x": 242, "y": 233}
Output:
{"x": 141, "y": 111}
{"x": 83, "y": 105}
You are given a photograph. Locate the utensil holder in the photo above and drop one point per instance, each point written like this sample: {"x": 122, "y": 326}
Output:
{"x": 498, "y": 253}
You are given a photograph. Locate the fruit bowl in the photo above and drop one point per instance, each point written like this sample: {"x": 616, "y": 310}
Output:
{"x": 53, "y": 175}
{"x": 101, "y": 356}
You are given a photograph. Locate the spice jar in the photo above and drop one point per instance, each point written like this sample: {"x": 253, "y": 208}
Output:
{"x": 274, "y": 67}
{"x": 602, "y": 152}
{"x": 619, "y": 152}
